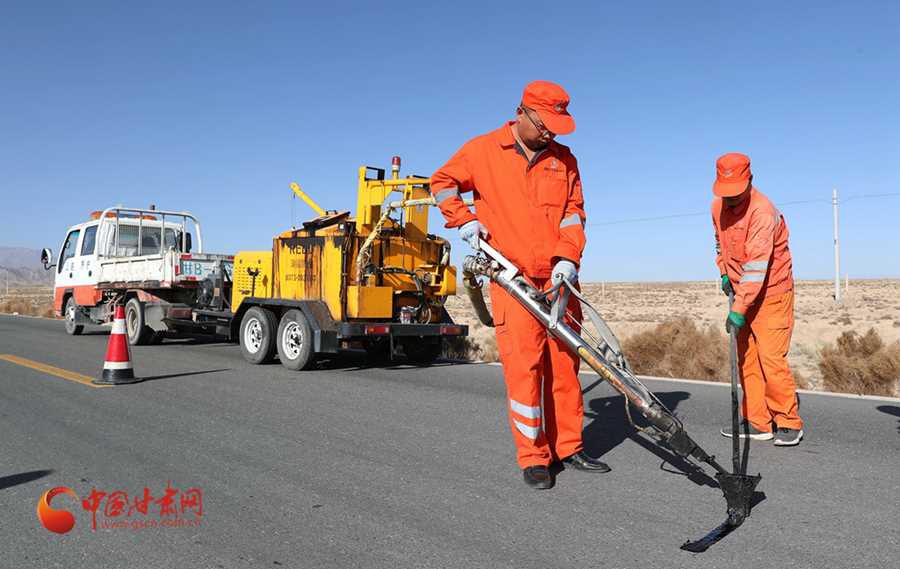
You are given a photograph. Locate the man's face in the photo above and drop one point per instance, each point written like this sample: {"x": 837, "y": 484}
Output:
{"x": 737, "y": 200}
{"x": 531, "y": 130}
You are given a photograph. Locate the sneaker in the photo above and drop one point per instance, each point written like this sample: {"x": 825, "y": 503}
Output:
{"x": 754, "y": 433}
{"x": 785, "y": 437}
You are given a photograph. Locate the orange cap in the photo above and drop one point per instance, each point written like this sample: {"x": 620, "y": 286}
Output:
{"x": 732, "y": 175}
{"x": 550, "y": 101}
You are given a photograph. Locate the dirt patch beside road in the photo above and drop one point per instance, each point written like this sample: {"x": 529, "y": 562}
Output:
{"x": 633, "y": 308}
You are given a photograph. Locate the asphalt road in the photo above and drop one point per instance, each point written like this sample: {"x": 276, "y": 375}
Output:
{"x": 348, "y": 466}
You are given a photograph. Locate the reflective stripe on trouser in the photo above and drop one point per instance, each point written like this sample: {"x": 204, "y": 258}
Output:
{"x": 536, "y": 365}
{"x": 770, "y": 393}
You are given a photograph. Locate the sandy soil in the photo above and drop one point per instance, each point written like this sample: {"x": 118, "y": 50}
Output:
{"x": 630, "y": 308}
{"x": 27, "y": 300}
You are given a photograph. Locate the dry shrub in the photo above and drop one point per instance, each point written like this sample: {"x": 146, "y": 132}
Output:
{"x": 28, "y": 307}
{"x": 800, "y": 379}
{"x": 677, "y": 348}
{"x": 861, "y": 364}
{"x": 16, "y": 305}
{"x": 480, "y": 345}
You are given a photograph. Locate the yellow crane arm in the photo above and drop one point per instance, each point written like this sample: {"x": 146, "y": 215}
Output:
{"x": 299, "y": 193}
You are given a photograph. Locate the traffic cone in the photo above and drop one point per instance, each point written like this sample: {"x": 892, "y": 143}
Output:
{"x": 117, "y": 369}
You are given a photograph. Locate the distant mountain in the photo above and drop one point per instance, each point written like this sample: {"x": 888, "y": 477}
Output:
{"x": 24, "y": 266}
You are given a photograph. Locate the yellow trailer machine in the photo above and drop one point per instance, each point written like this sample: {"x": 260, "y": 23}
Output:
{"x": 376, "y": 281}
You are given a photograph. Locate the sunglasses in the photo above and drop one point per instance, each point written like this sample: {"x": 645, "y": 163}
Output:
{"x": 542, "y": 130}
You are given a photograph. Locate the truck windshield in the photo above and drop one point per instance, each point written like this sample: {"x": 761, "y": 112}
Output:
{"x": 149, "y": 242}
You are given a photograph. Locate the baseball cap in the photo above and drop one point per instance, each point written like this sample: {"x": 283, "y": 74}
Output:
{"x": 549, "y": 100}
{"x": 732, "y": 174}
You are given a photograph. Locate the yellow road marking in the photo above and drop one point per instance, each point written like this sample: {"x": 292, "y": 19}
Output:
{"x": 52, "y": 370}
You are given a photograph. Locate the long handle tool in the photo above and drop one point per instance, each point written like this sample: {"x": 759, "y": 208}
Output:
{"x": 737, "y": 487}
{"x": 604, "y": 355}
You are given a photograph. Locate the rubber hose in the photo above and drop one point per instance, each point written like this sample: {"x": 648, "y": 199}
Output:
{"x": 476, "y": 295}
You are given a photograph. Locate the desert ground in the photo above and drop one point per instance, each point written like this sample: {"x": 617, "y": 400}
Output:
{"x": 630, "y": 308}
{"x": 27, "y": 300}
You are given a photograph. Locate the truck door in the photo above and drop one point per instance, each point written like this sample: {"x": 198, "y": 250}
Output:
{"x": 64, "y": 267}
{"x": 85, "y": 269}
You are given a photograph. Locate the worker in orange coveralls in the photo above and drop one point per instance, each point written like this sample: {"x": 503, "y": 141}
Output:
{"x": 529, "y": 206}
{"x": 755, "y": 263}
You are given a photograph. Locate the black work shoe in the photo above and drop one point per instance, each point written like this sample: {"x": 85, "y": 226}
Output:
{"x": 538, "y": 477}
{"x": 581, "y": 461}
{"x": 785, "y": 437}
{"x": 752, "y": 432}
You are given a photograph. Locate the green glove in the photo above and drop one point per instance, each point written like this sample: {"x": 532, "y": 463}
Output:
{"x": 735, "y": 321}
{"x": 726, "y": 286}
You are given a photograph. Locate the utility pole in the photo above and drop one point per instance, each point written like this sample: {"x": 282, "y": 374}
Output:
{"x": 837, "y": 249}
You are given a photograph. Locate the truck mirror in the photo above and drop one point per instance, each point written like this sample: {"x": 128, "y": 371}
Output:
{"x": 187, "y": 243}
{"x": 47, "y": 259}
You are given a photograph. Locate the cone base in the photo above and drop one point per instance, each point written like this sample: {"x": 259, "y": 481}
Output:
{"x": 116, "y": 377}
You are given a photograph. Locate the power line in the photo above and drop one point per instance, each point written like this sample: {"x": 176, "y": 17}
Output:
{"x": 699, "y": 213}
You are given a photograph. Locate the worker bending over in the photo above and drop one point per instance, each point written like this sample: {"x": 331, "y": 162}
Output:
{"x": 755, "y": 263}
{"x": 529, "y": 206}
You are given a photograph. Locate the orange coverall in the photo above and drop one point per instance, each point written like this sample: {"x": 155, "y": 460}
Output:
{"x": 752, "y": 249}
{"x": 535, "y": 215}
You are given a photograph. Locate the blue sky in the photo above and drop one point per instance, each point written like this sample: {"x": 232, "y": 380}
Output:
{"x": 215, "y": 107}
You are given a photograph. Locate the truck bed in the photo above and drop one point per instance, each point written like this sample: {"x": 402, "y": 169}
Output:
{"x": 169, "y": 270}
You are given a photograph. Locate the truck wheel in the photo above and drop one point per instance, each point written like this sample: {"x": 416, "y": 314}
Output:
{"x": 257, "y": 335}
{"x": 72, "y": 329}
{"x": 138, "y": 333}
{"x": 421, "y": 351}
{"x": 295, "y": 341}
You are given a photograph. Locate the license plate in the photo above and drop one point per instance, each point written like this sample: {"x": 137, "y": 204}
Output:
{"x": 194, "y": 269}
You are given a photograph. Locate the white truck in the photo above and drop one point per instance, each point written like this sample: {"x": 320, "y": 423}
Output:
{"x": 150, "y": 260}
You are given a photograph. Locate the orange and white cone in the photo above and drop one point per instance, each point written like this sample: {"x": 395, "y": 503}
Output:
{"x": 117, "y": 368}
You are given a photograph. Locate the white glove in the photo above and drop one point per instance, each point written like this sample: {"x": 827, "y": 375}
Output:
{"x": 564, "y": 269}
{"x": 472, "y": 232}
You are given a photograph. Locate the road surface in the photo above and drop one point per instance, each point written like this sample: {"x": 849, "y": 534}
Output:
{"x": 347, "y": 466}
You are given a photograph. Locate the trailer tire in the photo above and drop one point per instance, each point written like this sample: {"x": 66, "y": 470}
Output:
{"x": 295, "y": 341}
{"x": 72, "y": 329}
{"x": 257, "y": 335}
{"x": 139, "y": 333}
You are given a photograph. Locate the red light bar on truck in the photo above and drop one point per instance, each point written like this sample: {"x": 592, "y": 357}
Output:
{"x": 451, "y": 330}
{"x": 378, "y": 330}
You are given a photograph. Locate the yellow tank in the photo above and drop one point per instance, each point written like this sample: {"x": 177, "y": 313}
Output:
{"x": 348, "y": 274}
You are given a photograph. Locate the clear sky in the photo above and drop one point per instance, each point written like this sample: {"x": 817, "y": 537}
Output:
{"x": 215, "y": 107}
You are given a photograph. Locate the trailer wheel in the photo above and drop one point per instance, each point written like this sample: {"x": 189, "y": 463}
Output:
{"x": 72, "y": 329}
{"x": 422, "y": 351}
{"x": 257, "y": 335}
{"x": 138, "y": 333}
{"x": 295, "y": 341}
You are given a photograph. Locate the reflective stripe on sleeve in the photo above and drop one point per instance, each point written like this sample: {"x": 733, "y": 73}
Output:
{"x": 755, "y": 266}
{"x": 525, "y": 410}
{"x": 753, "y": 278}
{"x": 573, "y": 219}
{"x": 445, "y": 195}
{"x": 530, "y": 432}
